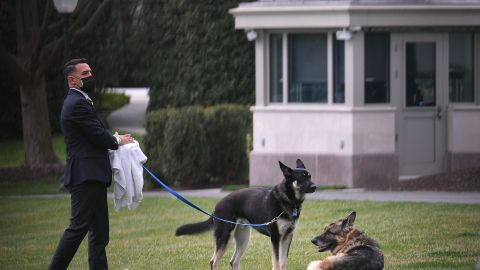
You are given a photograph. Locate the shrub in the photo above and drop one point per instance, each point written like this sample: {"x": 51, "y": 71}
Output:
{"x": 110, "y": 101}
{"x": 192, "y": 54}
{"x": 185, "y": 149}
{"x": 176, "y": 146}
{"x": 153, "y": 141}
{"x": 194, "y": 147}
{"x": 227, "y": 128}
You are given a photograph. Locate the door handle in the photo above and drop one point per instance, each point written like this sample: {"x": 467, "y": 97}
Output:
{"x": 439, "y": 113}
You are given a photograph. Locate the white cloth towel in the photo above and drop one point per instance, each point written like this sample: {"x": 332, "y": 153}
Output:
{"x": 127, "y": 172}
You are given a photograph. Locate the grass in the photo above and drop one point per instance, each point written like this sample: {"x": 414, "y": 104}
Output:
{"x": 233, "y": 187}
{"x": 12, "y": 154}
{"x": 111, "y": 101}
{"x": 29, "y": 187}
{"x": 331, "y": 187}
{"x": 412, "y": 235}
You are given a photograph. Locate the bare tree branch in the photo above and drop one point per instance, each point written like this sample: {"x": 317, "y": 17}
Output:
{"x": 82, "y": 14}
{"x": 43, "y": 32}
{"x": 48, "y": 54}
{"x": 46, "y": 15}
{"x": 93, "y": 21}
{"x": 52, "y": 49}
{"x": 10, "y": 62}
{"x": 54, "y": 26}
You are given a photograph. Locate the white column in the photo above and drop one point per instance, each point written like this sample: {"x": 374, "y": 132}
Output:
{"x": 260, "y": 68}
{"x": 476, "y": 65}
{"x": 354, "y": 70}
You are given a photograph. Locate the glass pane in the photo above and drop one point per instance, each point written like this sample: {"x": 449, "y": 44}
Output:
{"x": 377, "y": 68}
{"x": 420, "y": 79}
{"x": 461, "y": 67}
{"x": 276, "y": 60}
{"x": 338, "y": 71}
{"x": 307, "y": 68}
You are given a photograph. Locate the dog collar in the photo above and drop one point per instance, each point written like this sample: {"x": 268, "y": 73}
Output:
{"x": 294, "y": 212}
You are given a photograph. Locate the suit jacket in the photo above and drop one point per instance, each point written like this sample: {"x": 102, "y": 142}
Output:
{"x": 87, "y": 142}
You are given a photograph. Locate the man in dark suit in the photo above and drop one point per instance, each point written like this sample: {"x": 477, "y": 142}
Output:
{"x": 88, "y": 172}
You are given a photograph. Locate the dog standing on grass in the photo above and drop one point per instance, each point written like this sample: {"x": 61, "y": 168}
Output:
{"x": 258, "y": 205}
{"x": 351, "y": 248}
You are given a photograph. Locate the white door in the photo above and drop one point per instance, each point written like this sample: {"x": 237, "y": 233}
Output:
{"x": 421, "y": 104}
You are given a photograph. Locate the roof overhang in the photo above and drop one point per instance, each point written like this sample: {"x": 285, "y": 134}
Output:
{"x": 250, "y": 16}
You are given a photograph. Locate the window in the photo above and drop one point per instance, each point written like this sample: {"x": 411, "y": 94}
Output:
{"x": 307, "y": 68}
{"x": 460, "y": 73}
{"x": 276, "y": 64}
{"x": 377, "y": 68}
{"x": 420, "y": 74}
{"x": 338, "y": 71}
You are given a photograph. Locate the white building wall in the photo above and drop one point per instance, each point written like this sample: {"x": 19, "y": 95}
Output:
{"x": 302, "y": 130}
{"x": 374, "y": 131}
{"x": 463, "y": 129}
{"x": 327, "y": 131}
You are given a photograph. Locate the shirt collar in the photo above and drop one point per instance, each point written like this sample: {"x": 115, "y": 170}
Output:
{"x": 83, "y": 93}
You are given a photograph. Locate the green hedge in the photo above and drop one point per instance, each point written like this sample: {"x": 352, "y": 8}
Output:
{"x": 192, "y": 55}
{"x": 197, "y": 147}
{"x": 110, "y": 101}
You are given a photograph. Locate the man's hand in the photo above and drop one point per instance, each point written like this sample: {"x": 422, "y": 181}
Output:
{"x": 124, "y": 139}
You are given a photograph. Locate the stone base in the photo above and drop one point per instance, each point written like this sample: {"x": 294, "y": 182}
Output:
{"x": 460, "y": 161}
{"x": 361, "y": 171}
{"x": 375, "y": 171}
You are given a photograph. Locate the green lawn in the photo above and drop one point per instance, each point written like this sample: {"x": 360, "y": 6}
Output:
{"x": 412, "y": 235}
{"x": 11, "y": 151}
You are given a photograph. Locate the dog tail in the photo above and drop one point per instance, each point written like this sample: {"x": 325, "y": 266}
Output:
{"x": 195, "y": 228}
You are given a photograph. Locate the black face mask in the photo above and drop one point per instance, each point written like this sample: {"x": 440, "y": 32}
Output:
{"x": 88, "y": 85}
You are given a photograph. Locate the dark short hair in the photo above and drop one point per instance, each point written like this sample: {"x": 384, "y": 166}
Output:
{"x": 69, "y": 66}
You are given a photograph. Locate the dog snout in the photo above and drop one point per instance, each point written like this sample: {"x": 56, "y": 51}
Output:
{"x": 314, "y": 241}
{"x": 313, "y": 187}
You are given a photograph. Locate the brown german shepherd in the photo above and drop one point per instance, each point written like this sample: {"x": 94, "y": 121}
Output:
{"x": 351, "y": 248}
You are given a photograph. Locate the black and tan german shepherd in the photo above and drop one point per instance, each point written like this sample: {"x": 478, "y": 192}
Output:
{"x": 258, "y": 205}
{"x": 351, "y": 248}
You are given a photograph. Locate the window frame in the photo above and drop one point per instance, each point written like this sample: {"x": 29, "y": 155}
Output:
{"x": 389, "y": 93}
{"x": 475, "y": 73}
{"x": 330, "y": 35}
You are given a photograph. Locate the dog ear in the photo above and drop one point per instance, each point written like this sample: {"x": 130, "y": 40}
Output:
{"x": 300, "y": 164}
{"x": 348, "y": 221}
{"x": 287, "y": 172}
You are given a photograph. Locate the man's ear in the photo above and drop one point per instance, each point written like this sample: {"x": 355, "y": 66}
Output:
{"x": 348, "y": 221}
{"x": 300, "y": 164}
{"x": 287, "y": 172}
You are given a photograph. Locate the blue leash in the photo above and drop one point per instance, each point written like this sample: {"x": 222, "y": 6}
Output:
{"x": 183, "y": 199}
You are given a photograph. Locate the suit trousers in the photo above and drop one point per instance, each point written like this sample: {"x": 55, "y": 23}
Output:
{"x": 89, "y": 213}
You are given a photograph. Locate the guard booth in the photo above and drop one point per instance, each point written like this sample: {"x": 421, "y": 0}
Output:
{"x": 364, "y": 92}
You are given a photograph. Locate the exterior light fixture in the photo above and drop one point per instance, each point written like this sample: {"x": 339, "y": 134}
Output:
{"x": 251, "y": 35}
{"x": 65, "y": 6}
{"x": 344, "y": 34}
{"x": 347, "y": 34}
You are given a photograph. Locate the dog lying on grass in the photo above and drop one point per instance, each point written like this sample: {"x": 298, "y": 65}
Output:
{"x": 351, "y": 248}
